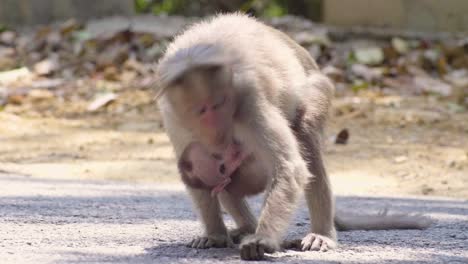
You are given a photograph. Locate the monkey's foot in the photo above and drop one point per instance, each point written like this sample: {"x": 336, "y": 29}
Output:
{"x": 239, "y": 233}
{"x": 253, "y": 247}
{"x": 213, "y": 241}
{"x": 317, "y": 242}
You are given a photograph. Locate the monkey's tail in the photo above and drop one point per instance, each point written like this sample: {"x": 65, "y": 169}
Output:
{"x": 382, "y": 221}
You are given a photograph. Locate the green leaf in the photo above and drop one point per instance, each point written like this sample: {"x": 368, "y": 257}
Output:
{"x": 369, "y": 55}
{"x": 359, "y": 85}
{"x": 274, "y": 10}
{"x": 142, "y": 5}
{"x": 3, "y": 28}
{"x": 455, "y": 108}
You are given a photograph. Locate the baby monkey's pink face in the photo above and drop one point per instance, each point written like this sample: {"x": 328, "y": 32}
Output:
{"x": 204, "y": 102}
{"x": 201, "y": 169}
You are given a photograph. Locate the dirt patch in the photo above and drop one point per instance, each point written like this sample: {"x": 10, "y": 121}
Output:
{"x": 76, "y": 101}
{"x": 410, "y": 149}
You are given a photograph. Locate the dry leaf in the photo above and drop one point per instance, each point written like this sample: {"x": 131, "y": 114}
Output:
{"x": 101, "y": 100}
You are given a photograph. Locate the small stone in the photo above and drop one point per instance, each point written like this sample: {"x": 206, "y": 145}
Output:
{"x": 427, "y": 190}
{"x": 400, "y": 159}
{"x": 452, "y": 163}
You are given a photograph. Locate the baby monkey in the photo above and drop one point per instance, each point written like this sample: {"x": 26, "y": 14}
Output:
{"x": 237, "y": 88}
{"x": 211, "y": 171}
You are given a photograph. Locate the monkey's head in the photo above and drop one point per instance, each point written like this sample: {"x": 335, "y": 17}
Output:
{"x": 203, "y": 99}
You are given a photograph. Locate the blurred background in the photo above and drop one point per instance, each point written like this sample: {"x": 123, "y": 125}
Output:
{"x": 76, "y": 88}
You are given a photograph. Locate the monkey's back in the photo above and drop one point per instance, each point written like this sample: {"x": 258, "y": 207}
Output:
{"x": 252, "y": 48}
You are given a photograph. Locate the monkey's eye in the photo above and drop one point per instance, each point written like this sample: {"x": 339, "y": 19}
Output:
{"x": 216, "y": 156}
{"x": 219, "y": 103}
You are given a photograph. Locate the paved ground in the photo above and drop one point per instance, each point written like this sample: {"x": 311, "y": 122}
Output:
{"x": 63, "y": 221}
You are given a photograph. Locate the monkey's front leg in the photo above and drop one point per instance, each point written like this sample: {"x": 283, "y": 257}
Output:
{"x": 279, "y": 149}
{"x": 215, "y": 234}
{"x": 240, "y": 211}
{"x": 273, "y": 220}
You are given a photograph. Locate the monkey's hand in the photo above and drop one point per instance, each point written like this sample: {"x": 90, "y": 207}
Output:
{"x": 315, "y": 242}
{"x": 253, "y": 247}
{"x": 211, "y": 241}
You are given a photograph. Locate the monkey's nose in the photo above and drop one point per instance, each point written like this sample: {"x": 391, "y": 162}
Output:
{"x": 222, "y": 168}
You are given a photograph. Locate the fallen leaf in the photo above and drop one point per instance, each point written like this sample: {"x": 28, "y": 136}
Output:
{"x": 369, "y": 56}
{"x": 111, "y": 73}
{"x": 432, "y": 85}
{"x": 8, "y": 77}
{"x": 306, "y": 38}
{"x": 3, "y": 96}
{"x": 70, "y": 26}
{"x": 426, "y": 190}
{"x": 46, "y": 67}
{"x": 333, "y": 72}
{"x": 47, "y": 83}
{"x": 458, "y": 78}
{"x": 101, "y": 100}
{"x": 15, "y": 99}
{"x": 359, "y": 85}
{"x": 8, "y": 38}
{"x": 400, "y": 45}
{"x": 403, "y": 116}
{"x": 114, "y": 55}
{"x": 400, "y": 159}
{"x": 7, "y": 63}
{"x": 342, "y": 137}
{"x": 40, "y": 94}
{"x": 367, "y": 73}
{"x": 455, "y": 108}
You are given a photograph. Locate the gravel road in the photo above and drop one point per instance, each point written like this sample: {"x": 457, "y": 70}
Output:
{"x": 64, "y": 221}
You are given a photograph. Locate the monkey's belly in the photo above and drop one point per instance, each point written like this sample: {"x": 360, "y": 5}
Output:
{"x": 249, "y": 179}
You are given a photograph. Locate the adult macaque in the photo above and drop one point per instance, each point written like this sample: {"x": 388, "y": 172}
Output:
{"x": 233, "y": 80}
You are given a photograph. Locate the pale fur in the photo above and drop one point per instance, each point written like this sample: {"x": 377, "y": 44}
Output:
{"x": 278, "y": 78}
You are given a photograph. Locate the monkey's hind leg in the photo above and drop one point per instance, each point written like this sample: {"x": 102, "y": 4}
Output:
{"x": 317, "y": 191}
{"x": 240, "y": 211}
{"x": 215, "y": 234}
